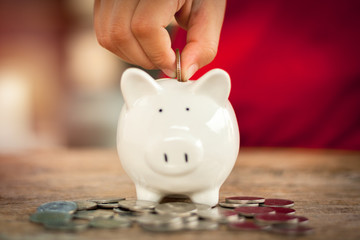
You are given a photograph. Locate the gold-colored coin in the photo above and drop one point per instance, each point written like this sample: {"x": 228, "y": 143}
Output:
{"x": 178, "y": 67}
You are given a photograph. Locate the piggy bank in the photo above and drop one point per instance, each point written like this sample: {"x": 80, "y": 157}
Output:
{"x": 177, "y": 138}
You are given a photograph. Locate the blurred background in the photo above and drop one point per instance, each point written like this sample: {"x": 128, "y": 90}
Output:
{"x": 58, "y": 87}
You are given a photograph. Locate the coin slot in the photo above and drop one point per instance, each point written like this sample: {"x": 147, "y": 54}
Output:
{"x": 165, "y": 157}
{"x": 186, "y": 157}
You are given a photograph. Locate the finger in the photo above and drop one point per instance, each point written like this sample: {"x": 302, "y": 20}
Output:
{"x": 122, "y": 36}
{"x": 102, "y": 23}
{"x": 114, "y": 33}
{"x": 204, "y": 26}
{"x": 148, "y": 25}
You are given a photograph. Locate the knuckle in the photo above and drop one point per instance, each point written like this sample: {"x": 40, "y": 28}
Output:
{"x": 209, "y": 52}
{"x": 104, "y": 40}
{"x": 120, "y": 35}
{"x": 141, "y": 28}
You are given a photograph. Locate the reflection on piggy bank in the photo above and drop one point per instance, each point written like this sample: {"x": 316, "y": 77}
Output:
{"x": 177, "y": 137}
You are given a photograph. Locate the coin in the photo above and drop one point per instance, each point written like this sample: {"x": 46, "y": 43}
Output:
{"x": 247, "y": 225}
{"x": 176, "y": 208}
{"x": 220, "y": 215}
{"x": 85, "y": 205}
{"x": 110, "y": 223}
{"x": 244, "y": 199}
{"x": 201, "y": 207}
{"x": 50, "y": 217}
{"x": 108, "y": 205}
{"x": 108, "y": 200}
{"x": 137, "y": 205}
{"x": 284, "y": 210}
{"x": 58, "y": 206}
{"x": 178, "y": 66}
{"x": 156, "y": 219}
{"x": 275, "y": 218}
{"x": 235, "y": 205}
{"x": 163, "y": 228}
{"x": 252, "y": 211}
{"x": 69, "y": 226}
{"x": 274, "y": 202}
{"x": 203, "y": 225}
{"x": 91, "y": 214}
{"x": 301, "y": 220}
{"x": 191, "y": 218}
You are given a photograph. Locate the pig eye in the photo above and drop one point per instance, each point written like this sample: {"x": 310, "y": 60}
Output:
{"x": 187, "y": 109}
{"x": 160, "y": 110}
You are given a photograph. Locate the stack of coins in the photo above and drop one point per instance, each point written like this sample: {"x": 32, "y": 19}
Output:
{"x": 237, "y": 213}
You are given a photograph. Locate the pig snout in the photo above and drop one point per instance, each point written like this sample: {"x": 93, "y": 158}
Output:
{"x": 175, "y": 156}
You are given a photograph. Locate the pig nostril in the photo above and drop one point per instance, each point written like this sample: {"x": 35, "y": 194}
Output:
{"x": 165, "y": 156}
{"x": 186, "y": 157}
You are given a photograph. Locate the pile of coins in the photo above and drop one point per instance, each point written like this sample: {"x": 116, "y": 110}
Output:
{"x": 236, "y": 213}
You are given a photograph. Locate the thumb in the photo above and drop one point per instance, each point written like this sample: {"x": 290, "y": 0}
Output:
{"x": 204, "y": 26}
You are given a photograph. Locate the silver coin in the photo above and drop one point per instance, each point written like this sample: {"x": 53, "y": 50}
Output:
{"x": 244, "y": 199}
{"x": 221, "y": 215}
{"x": 91, "y": 214}
{"x": 156, "y": 219}
{"x": 50, "y": 217}
{"x": 58, "y": 206}
{"x": 191, "y": 218}
{"x": 108, "y": 205}
{"x": 69, "y": 226}
{"x": 176, "y": 208}
{"x": 85, "y": 205}
{"x": 235, "y": 205}
{"x": 162, "y": 227}
{"x": 110, "y": 223}
{"x": 204, "y": 225}
{"x": 137, "y": 205}
{"x": 202, "y": 207}
{"x": 107, "y": 200}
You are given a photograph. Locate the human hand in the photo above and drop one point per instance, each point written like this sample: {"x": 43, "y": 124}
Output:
{"x": 135, "y": 31}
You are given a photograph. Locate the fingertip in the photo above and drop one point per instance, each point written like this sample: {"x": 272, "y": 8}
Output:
{"x": 190, "y": 71}
{"x": 169, "y": 72}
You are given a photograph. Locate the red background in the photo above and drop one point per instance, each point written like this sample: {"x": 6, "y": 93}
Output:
{"x": 295, "y": 69}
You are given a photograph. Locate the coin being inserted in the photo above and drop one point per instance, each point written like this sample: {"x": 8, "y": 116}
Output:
{"x": 178, "y": 66}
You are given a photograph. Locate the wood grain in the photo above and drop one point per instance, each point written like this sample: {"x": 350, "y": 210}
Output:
{"x": 325, "y": 185}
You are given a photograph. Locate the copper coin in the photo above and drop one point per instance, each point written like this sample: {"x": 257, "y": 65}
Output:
{"x": 301, "y": 220}
{"x": 273, "y": 202}
{"x": 178, "y": 66}
{"x": 284, "y": 210}
{"x": 252, "y": 211}
{"x": 275, "y": 218}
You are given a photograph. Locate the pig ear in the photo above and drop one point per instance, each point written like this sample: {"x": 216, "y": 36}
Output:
{"x": 136, "y": 83}
{"x": 215, "y": 84}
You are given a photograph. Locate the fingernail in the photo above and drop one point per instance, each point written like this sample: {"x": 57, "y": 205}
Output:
{"x": 191, "y": 71}
{"x": 169, "y": 73}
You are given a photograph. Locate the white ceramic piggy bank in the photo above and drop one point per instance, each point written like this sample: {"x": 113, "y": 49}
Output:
{"x": 177, "y": 137}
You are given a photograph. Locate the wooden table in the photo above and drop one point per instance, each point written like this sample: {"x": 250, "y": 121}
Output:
{"x": 325, "y": 185}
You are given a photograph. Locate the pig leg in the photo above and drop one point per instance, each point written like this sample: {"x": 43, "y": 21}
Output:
{"x": 209, "y": 197}
{"x": 143, "y": 193}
